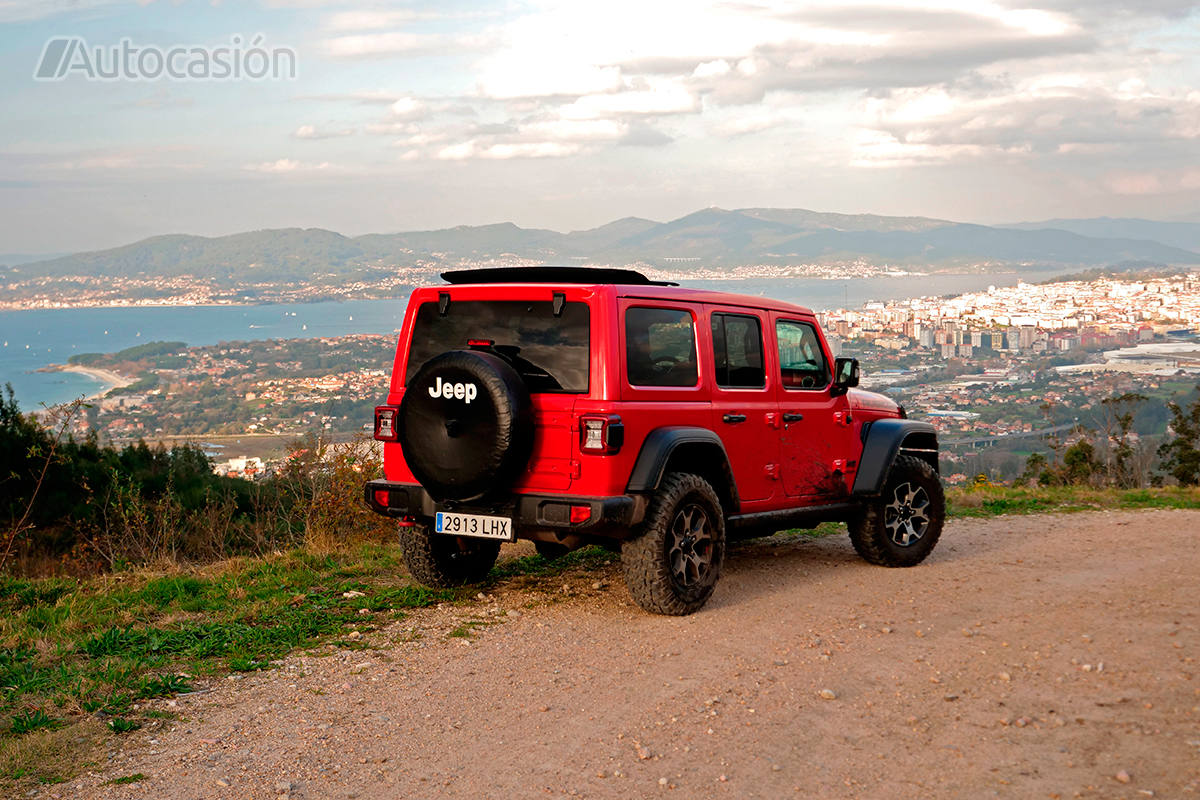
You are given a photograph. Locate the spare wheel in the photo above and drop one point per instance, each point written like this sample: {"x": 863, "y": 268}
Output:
{"x": 466, "y": 425}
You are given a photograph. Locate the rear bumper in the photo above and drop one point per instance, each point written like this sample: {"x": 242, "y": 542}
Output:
{"x": 610, "y": 516}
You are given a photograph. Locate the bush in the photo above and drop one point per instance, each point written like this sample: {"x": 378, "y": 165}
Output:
{"x": 81, "y": 502}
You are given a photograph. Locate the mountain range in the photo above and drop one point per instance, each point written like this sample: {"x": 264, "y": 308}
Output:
{"x": 712, "y": 237}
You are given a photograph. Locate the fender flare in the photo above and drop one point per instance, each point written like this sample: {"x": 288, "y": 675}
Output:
{"x": 883, "y": 440}
{"x": 656, "y": 452}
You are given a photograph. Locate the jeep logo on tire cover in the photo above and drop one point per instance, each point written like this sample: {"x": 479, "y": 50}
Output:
{"x": 455, "y": 391}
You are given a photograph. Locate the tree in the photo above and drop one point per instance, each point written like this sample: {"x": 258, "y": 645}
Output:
{"x": 1119, "y": 413}
{"x": 1079, "y": 463}
{"x": 1181, "y": 454}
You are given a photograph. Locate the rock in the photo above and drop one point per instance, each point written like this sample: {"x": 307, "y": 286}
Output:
{"x": 354, "y": 636}
{"x": 481, "y": 596}
{"x": 1004, "y": 676}
{"x": 643, "y": 753}
{"x": 827, "y": 694}
{"x": 598, "y": 585}
{"x": 283, "y": 787}
{"x": 722, "y": 778}
{"x": 512, "y": 612}
{"x": 1123, "y": 777}
{"x": 350, "y": 595}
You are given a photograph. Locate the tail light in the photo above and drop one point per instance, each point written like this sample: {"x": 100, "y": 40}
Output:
{"x": 601, "y": 434}
{"x": 385, "y": 423}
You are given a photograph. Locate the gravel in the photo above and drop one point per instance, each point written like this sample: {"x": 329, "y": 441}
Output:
{"x": 562, "y": 698}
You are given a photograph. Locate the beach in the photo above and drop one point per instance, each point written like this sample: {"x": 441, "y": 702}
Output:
{"x": 111, "y": 379}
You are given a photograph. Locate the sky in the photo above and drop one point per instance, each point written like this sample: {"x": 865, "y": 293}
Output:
{"x": 385, "y": 117}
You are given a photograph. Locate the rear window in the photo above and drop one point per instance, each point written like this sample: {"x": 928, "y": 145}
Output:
{"x": 549, "y": 352}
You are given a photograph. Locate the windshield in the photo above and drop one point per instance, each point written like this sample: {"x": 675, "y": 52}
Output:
{"x": 549, "y": 352}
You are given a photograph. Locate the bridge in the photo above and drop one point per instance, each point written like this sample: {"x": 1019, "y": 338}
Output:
{"x": 988, "y": 441}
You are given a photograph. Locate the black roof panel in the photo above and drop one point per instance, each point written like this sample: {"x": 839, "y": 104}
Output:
{"x": 551, "y": 275}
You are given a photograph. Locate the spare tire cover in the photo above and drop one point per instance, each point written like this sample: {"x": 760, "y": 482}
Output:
{"x": 466, "y": 425}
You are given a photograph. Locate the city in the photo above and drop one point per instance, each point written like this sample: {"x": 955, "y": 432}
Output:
{"x": 1007, "y": 366}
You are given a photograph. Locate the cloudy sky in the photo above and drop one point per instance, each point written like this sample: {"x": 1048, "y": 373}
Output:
{"x": 567, "y": 115}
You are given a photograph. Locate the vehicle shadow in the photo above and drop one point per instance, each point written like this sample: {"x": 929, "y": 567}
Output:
{"x": 819, "y": 557}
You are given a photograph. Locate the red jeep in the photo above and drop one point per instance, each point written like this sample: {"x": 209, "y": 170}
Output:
{"x": 578, "y": 406}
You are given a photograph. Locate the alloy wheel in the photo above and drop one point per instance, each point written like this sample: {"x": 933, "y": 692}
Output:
{"x": 906, "y": 516}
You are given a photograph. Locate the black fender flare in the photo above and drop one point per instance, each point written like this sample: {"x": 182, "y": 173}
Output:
{"x": 882, "y": 441}
{"x": 661, "y": 443}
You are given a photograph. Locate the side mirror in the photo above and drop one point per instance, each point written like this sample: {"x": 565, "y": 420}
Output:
{"x": 845, "y": 374}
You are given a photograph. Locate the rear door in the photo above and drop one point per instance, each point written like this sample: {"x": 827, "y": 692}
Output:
{"x": 744, "y": 407}
{"x": 816, "y": 434}
{"x": 549, "y": 345}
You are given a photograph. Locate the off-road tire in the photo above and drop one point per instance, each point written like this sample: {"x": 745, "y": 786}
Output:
{"x": 651, "y": 568}
{"x": 869, "y": 531}
{"x": 461, "y": 450}
{"x": 443, "y": 562}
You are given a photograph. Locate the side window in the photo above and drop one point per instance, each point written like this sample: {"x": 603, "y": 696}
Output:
{"x": 737, "y": 351}
{"x": 802, "y": 363}
{"x": 660, "y": 347}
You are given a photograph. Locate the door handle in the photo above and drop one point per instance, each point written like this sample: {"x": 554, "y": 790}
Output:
{"x": 734, "y": 419}
{"x": 792, "y": 417}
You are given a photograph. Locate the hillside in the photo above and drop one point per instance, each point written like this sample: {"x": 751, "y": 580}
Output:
{"x": 1185, "y": 235}
{"x": 711, "y": 237}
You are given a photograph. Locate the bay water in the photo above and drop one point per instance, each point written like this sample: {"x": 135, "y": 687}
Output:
{"x": 30, "y": 340}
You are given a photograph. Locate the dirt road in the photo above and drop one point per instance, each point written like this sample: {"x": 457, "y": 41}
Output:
{"x": 1047, "y": 656}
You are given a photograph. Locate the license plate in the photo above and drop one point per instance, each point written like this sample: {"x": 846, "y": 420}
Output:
{"x": 478, "y": 525}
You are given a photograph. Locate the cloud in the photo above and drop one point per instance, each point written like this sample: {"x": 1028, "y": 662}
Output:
{"x": 286, "y": 165}
{"x": 1068, "y": 114}
{"x": 407, "y": 108}
{"x": 371, "y": 20}
{"x": 507, "y": 150}
{"x": 363, "y": 97}
{"x": 659, "y": 98}
{"x": 29, "y": 10}
{"x": 313, "y": 132}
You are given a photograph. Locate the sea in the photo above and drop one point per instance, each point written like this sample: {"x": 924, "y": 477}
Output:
{"x": 31, "y": 340}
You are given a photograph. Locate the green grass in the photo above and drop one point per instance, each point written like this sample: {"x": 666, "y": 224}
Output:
{"x": 991, "y": 501}
{"x": 73, "y": 651}
{"x": 32, "y": 720}
{"x": 585, "y": 558}
{"x": 128, "y": 779}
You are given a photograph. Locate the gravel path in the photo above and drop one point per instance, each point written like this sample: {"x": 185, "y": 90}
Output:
{"x": 1043, "y": 656}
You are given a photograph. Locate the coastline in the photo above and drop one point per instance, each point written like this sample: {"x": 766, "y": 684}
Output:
{"x": 110, "y": 379}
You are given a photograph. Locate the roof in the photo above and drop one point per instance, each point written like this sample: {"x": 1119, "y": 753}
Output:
{"x": 627, "y": 283}
{"x": 549, "y": 274}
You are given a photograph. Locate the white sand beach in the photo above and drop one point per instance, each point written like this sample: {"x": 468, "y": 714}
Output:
{"x": 112, "y": 380}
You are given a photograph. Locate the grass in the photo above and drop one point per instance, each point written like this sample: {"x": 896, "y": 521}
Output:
{"x": 991, "y": 501}
{"x": 585, "y": 558}
{"x": 94, "y": 651}
{"x": 128, "y": 779}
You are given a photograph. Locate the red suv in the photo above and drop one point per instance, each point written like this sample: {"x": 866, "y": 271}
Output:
{"x": 575, "y": 406}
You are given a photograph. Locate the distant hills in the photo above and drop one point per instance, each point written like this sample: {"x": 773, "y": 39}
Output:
{"x": 712, "y": 237}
